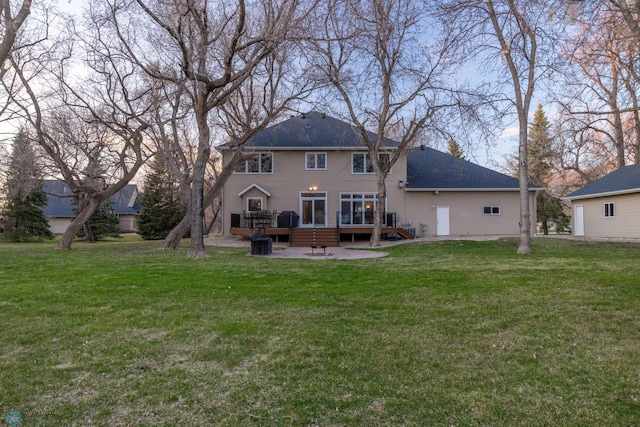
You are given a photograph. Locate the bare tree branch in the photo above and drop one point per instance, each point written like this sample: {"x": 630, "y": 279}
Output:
{"x": 10, "y": 28}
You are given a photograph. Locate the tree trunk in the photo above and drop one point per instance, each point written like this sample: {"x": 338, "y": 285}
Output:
{"x": 636, "y": 128}
{"x": 175, "y": 236}
{"x": 214, "y": 216}
{"x": 88, "y": 233}
{"x": 197, "y": 216}
{"x": 619, "y": 141}
{"x": 376, "y": 233}
{"x": 77, "y": 224}
{"x": 635, "y": 142}
{"x": 197, "y": 185}
{"x": 523, "y": 176}
{"x": 618, "y": 132}
{"x": 173, "y": 239}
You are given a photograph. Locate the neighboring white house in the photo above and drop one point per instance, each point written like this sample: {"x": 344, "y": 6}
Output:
{"x": 60, "y": 208}
{"x": 608, "y": 207}
{"x": 318, "y": 167}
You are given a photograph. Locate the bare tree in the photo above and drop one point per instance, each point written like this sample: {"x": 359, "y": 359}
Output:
{"x": 22, "y": 33}
{"x": 630, "y": 11}
{"x": 258, "y": 95}
{"x": 91, "y": 126}
{"x": 11, "y": 25}
{"x": 517, "y": 40}
{"x": 96, "y": 159}
{"x": 604, "y": 84}
{"x": 212, "y": 48}
{"x": 578, "y": 150}
{"x": 387, "y": 78}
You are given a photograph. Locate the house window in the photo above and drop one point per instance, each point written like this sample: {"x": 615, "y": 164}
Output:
{"x": 608, "y": 210}
{"x": 357, "y": 208}
{"x": 491, "y": 210}
{"x": 361, "y": 162}
{"x": 256, "y": 163}
{"x": 316, "y": 161}
{"x": 254, "y": 204}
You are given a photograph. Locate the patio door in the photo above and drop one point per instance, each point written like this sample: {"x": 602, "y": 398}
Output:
{"x": 314, "y": 209}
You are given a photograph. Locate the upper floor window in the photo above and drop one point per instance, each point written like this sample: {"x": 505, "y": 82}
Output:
{"x": 491, "y": 210}
{"x": 361, "y": 162}
{"x": 256, "y": 163}
{"x": 316, "y": 161}
{"x": 608, "y": 210}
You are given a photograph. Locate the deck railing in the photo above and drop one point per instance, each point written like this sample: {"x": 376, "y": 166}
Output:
{"x": 355, "y": 218}
{"x": 255, "y": 219}
{"x": 269, "y": 219}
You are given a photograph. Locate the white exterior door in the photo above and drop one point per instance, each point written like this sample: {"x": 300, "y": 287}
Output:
{"x": 578, "y": 220}
{"x": 442, "y": 219}
{"x": 314, "y": 209}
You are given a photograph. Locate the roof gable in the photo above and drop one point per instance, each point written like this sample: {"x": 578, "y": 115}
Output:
{"x": 256, "y": 186}
{"x": 429, "y": 169}
{"x": 312, "y": 130}
{"x": 623, "y": 180}
{"x": 127, "y": 201}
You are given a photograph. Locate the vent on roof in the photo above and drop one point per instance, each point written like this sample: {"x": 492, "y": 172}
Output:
{"x": 422, "y": 147}
{"x": 303, "y": 116}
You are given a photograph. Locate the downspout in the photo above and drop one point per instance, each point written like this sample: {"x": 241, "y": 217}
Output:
{"x": 404, "y": 196}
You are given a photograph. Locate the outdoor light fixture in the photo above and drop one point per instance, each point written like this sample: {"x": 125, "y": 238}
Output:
{"x": 401, "y": 184}
{"x": 313, "y": 188}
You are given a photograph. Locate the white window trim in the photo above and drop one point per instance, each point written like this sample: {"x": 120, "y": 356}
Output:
{"x": 248, "y": 199}
{"x": 606, "y": 210}
{"x": 315, "y": 154}
{"x": 350, "y": 200}
{"x": 491, "y": 208}
{"x": 313, "y": 195}
{"x": 259, "y": 154}
{"x": 366, "y": 155}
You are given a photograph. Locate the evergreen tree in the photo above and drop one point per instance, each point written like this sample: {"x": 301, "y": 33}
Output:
{"x": 454, "y": 149}
{"x": 161, "y": 208}
{"x": 549, "y": 208}
{"x": 540, "y": 149}
{"x": 25, "y": 198}
{"x": 103, "y": 223}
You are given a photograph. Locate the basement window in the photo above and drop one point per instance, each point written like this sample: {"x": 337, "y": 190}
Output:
{"x": 491, "y": 210}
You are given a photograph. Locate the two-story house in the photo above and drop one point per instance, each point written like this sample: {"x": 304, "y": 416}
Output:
{"x": 313, "y": 172}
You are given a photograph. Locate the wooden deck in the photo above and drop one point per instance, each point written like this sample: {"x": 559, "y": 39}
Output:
{"x": 268, "y": 231}
{"x": 353, "y": 231}
{"x": 344, "y": 231}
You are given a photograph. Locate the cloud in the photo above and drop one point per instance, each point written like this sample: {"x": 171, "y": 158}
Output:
{"x": 510, "y": 132}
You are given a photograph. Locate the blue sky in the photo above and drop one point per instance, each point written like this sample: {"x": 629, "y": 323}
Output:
{"x": 490, "y": 155}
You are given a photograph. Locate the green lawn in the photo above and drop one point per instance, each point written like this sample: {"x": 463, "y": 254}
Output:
{"x": 443, "y": 334}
